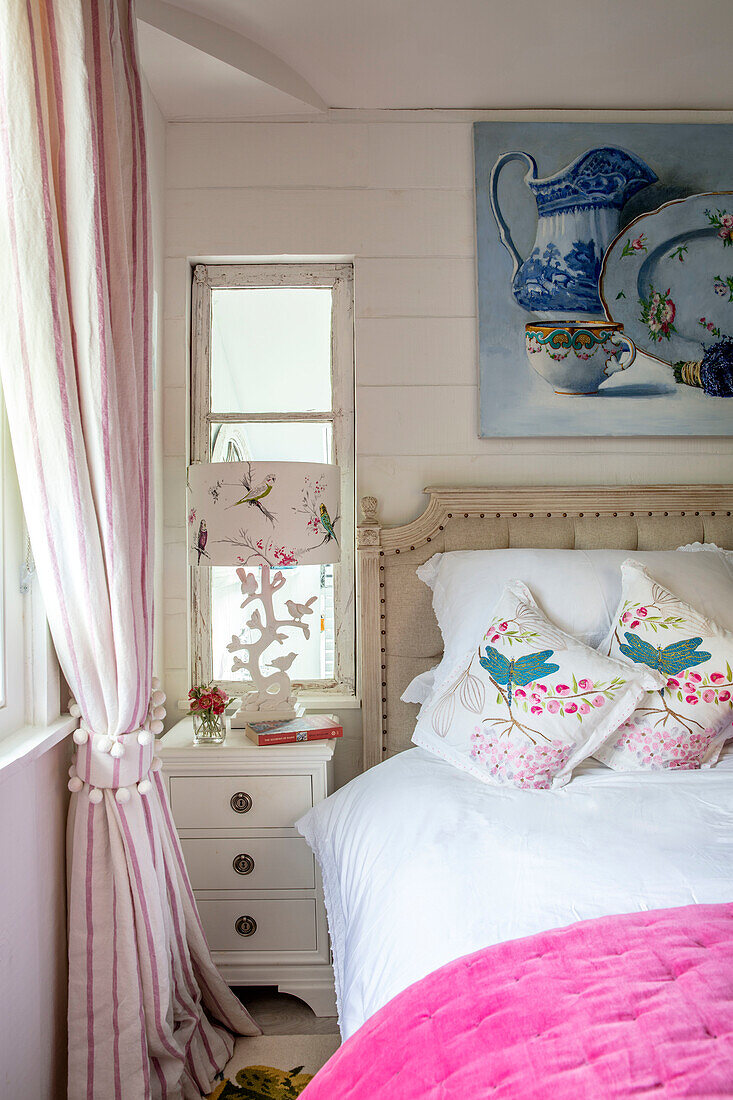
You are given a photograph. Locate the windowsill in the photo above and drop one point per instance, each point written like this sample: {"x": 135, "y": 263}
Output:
{"x": 313, "y": 701}
{"x": 29, "y": 742}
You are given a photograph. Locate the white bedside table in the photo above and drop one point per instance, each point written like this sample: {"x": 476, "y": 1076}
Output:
{"x": 255, "y": 879}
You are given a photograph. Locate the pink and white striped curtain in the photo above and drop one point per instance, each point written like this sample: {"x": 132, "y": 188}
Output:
{"x": 149, "y": 1016}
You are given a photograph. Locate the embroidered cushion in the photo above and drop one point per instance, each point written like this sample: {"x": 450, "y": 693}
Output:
{"x": 529, "y": 702}
{"x": 578, "y": 590}
{"x": 685, "y": 723}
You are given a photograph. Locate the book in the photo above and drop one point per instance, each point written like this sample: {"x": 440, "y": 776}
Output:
{"x": 312, "y": 727}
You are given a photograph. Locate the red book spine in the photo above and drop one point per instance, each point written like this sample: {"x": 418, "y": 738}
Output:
{"x": 290, "y": 738}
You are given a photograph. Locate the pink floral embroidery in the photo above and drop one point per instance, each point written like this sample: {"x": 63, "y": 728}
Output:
{"x": 523, "y": 765}
{"x": 663, "y": 748}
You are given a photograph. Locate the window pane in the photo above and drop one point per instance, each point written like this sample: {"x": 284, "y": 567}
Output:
{"x": 315, "y": 660}
{"x": 271, "y": 349}
{"x": 281, "y": 441}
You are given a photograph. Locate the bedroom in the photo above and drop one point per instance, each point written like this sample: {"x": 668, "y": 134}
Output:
{"x": 377, "y": 176}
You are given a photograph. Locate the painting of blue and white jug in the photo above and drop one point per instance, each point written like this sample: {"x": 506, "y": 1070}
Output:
{"x": 572, "y": 340}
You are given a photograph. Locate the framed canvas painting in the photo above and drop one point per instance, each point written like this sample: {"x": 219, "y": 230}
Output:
{"x": 605, "y": 278}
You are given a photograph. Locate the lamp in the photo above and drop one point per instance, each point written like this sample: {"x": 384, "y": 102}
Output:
{"x": 273, "y": 515}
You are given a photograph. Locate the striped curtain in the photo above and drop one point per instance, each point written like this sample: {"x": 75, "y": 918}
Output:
{"x": 149, "y": 1016}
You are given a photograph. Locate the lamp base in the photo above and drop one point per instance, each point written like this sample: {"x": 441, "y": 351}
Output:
{"x": 282, "y": 712}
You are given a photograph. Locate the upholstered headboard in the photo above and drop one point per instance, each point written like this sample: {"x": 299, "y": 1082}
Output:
{"x": 399, "y": 635}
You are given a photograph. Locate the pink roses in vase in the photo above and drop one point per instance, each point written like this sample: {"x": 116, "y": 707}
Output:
{"x": 207, "y": 705}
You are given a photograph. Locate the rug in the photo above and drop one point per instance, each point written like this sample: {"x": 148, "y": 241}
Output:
{"x": 273, "y": 1067}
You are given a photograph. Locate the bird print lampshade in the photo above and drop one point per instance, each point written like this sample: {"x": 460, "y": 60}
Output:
{"x": 263, "y": 513}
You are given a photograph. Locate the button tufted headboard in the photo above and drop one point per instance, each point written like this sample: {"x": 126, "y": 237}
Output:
{"x": 398, "y": 632}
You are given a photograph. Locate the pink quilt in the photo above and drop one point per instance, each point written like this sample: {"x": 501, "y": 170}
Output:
{"x": 639, "y": 1005}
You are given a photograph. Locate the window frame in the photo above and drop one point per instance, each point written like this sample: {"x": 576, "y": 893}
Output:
{"x": 31, "y": 677}
{"x": 340, "y": 278}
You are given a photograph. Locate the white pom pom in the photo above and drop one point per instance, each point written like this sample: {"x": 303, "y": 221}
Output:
{"x": 70, "y": 703}
{"x": 103, "y": 744}
{"x": 117, "y": 750}
{"x": 95, "y": 795}
{"x": 123, "y": 795}
{"x": 157, "y": 698}
{"x": 156, "y": 765}
{"x": 72, "y": 771}
{"x": 155, "y": 682}
{"x": 75, "y": 784}
{"x": 144, "y": 786}
{"x": 158, "y": 712}
{"x": 156, "y": 726}
{"x": 144, "y": 737}
{"x": 75, "y": 710}
{"x": 81, "y": 736}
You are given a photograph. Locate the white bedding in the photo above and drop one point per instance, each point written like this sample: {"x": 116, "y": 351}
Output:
{"x": 422, "y": 863}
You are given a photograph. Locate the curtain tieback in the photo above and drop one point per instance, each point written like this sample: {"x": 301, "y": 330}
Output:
{"x": 97, "y": 769}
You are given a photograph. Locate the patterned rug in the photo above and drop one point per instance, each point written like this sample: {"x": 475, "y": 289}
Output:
{"x": 274, "y": 1067}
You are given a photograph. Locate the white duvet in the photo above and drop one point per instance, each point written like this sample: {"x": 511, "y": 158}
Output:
{"x": 422, "y": 863}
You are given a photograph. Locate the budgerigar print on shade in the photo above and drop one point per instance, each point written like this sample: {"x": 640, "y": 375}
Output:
{"x": 326, "y": 523}
{"x": 279, "y": 514}
{"x": 646, "y": 398}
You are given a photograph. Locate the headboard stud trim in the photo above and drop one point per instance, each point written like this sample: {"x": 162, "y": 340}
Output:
{"x": 378, "y": 547}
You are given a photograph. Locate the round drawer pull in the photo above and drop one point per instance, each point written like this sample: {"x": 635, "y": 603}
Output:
{"x": 243, "y": 864}
{"x": 246, "y": 926}
{"x": 240, "y": 802}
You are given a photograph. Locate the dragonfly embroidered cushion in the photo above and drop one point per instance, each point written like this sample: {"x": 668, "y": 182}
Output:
{"x": 685, "y": 723}
{"x": 529, "y": 702}
{"x": 578, "y": 590}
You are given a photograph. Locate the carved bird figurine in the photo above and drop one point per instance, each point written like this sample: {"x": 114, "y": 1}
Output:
{"x": 202, "y": 539}
{"x": 282, "y": 664}
{"x": 298, "y": 610}
{"x": 257, "y": 492}
{"x": 327, "y": 525}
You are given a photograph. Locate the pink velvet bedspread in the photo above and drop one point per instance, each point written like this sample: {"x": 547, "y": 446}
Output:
{"x": 638, "y": 1005}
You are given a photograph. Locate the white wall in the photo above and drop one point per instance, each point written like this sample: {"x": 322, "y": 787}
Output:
{"x": 397, "y": 196}
{"x": 33, "y": 804}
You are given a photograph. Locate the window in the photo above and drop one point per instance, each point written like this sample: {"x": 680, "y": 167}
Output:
{"x": 273, "y": 378}
{"x": 13, "y": 623}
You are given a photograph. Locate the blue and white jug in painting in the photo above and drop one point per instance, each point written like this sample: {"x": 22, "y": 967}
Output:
{"x": 578, "y": 213}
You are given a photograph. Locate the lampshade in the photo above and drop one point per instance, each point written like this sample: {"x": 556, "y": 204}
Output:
{"x": 263, "y": 513}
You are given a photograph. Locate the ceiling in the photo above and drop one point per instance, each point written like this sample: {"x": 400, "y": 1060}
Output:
{"x": 255, "y": 58}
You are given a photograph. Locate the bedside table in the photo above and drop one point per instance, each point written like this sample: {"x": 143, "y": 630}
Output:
{"x": 255, "y": 879}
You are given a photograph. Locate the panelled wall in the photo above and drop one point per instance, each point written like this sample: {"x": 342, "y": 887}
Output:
{"x": 397, "y": 197}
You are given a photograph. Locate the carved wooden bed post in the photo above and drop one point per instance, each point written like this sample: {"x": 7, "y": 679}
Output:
{"x": 371, "y": 631}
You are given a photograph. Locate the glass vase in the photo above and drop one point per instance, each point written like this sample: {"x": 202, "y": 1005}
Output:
{"x": 208, "y": 728}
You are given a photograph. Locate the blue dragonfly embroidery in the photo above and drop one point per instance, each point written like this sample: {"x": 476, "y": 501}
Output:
{"x": 670, "y": 660}
{"x": 519, "y": 671}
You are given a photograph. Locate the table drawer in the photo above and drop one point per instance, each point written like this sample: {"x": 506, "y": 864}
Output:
{"x": 288, "y": 925}
{"x": 257, "y": 863}
{"x": 240, "y": 801}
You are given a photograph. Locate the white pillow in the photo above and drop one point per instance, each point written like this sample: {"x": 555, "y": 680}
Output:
{"x": 684, "y": 724}
{"x": 579, "y": 590}
{"x": 529, "y": 702}
{"x": 420, "y": 688}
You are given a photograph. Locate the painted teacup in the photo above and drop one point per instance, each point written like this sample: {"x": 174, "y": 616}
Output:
{"x": 576, "y": 357}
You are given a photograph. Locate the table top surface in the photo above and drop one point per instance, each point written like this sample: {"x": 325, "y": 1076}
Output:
{"x": 180, "y": 738}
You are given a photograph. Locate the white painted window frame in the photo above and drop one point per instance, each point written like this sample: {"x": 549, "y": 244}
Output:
{"x": 339, "y": 277}
{"x": 30, "y": 695}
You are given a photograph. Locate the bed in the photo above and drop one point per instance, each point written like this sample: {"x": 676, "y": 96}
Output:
{"x": 422, "y": 865}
